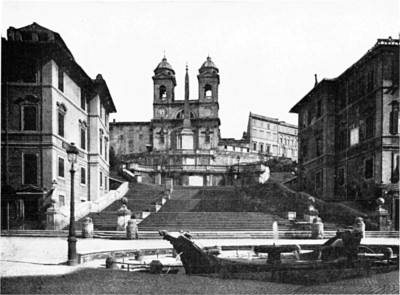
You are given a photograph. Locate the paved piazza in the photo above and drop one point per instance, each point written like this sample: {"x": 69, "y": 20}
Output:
{"x": 34, "y": 266}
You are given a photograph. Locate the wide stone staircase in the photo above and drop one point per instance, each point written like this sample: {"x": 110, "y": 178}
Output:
{"x": 141, "y": 197}
{"x": 209, "y": 209}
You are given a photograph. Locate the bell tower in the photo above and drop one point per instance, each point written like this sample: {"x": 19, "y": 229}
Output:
{"x": 164, "y": 83}
{"x": 208, "y": 81}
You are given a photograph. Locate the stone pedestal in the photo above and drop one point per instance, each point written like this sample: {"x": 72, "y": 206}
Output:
{"x": 131, "y": 230}
{"x": 124, "y": 215}
{"x": 311, "y": 213}
{"x": 317, "y": 229}
{"x": 87, "y": 228}
{"x": 381, "y": 216}
{"x": 54, "y": 219}
{"x": 169, "y": 184}
{"x": 187, "y": 139}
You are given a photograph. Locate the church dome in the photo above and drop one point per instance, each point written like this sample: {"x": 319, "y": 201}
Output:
{"x": 208, "y": 64}
{"x": 164, "y": 65}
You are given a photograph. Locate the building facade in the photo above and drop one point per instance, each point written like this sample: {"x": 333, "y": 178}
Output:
{"x": 348, "y": 131}
{"x": 272, "y": 137}
{"x": 182, "y": 141}
{"x": 48, "y": 101}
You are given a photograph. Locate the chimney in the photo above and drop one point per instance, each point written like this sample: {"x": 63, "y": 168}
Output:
{"x": 316, "y": 80}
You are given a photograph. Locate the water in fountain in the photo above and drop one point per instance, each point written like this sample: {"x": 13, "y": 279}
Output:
{"x": 275, "y": 232}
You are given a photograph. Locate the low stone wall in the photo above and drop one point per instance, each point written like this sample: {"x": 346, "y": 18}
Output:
{"x": 58, "y": 218}
{"x": 89, "y": 256}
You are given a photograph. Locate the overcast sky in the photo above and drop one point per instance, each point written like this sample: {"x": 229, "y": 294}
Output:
{"x": 267, "y": 51}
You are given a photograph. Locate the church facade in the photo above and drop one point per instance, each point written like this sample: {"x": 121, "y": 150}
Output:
{"x": 182, "y": 141}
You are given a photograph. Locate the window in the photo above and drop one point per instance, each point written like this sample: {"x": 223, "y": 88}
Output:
{"x": 395, "y": 169}
{"x": 354, "y": 136}
{"x": 101, "y": 144}
{"x": 60, "y": 80}
{"x": 101, "y": 179}
{"x": 208, "y": 91}
{"x": 394, "y": 118}
{"x": 83, "y": 175}
{"x": 369, "y": 168}
{"x": 83, "y": 100}
{"x": 319, "y": 147}
{"x": 261, "y": 147}
{"x": 370, "y": 82}
{"x": 319, "y": 108}
{"x": 304, "y": 150}
{"x": 29, "y": 117}
{"x": 369, "y": 127}
{"x": 340, "y": 176}
{"x": 61, "y": 200}
{"x": 163, "y": 92}
{"x": 268, "y": 148}
{"x": 61, "y": 118}
{"x": 83, "y": 139}
{"x": 254, "y": 146}
{"x": 342, "y": 140}
{"x": 30, "y": 168}
{"x": 105, "y": 148}
{"x": 181, "y": 114}
{"x": 105, "y": 183}
{"x": 318, "y": 180}
{"x": 61, "y": 168}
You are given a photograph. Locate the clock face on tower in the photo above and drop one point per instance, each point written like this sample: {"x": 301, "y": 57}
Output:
{"x": 162, "y": 112}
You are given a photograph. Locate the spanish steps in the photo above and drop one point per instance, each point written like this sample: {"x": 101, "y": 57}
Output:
{"x": 227, "y": 208}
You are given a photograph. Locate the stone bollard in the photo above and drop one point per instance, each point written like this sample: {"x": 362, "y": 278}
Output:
{"x": 131, "y": 230}
{"x": 388, "y": 254}
{"x": 87, "y": 229}
{"x": 111, "y": 263}
{"x": 317, "y": 229}
{"x": 156, "y": 267}
{"x": 359, "y": 226}
{"x": 124, "y": 215}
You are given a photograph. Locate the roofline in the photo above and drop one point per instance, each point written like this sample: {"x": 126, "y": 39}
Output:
{"x": 319, "y": 85}
{"x": 273, "y": 120}
{"x": 379, "y": 44}
{"x": 128, "y": 123}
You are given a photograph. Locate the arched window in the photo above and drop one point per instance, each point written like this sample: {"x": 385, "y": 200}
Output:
{"x": 180, "y": 114}
{"x": 163, "y": 92}
{"x": 208, "y": 91}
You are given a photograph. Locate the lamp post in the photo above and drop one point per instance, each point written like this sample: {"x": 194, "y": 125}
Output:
{"x": 238, "y": 159}
{"x": 72, "y": 152}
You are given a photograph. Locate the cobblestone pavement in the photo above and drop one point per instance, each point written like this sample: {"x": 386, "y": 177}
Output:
{"x": 34, "y": 266}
